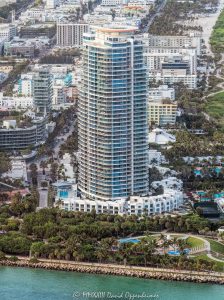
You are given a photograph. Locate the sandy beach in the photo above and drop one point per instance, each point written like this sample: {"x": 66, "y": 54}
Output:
{"x": 207, "y": 23}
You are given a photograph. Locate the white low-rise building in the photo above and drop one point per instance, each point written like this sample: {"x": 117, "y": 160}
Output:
{"x": 14, "y": 102}
{"x": 189, "y": 80}
{"x": 161, "y": 93}
{"x": 150, "y": 205}
{"x": 161, "y": 137}
{"x": 18, "y": 170}
{"x": 156, "y": 157}
{"x": 170, "y": 200}
{"x": 66, "y": 161}
{"x": 86, "y": 205}
{"x": 172, "y": 183}
{"x": 7, "y": 31}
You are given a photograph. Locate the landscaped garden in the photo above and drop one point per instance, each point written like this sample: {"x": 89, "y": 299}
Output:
{"x": 194, "y": 242}
{"x": 216, "y": 246}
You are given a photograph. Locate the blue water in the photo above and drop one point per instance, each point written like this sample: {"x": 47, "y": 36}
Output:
{"x": 63, "y": 194}
{"x": 218, "y": 169}
{"x": 197, "y": 172}
{"x": 129, "y": 240}
{"x": 201, "y": 193}
{"x": 176, "y": 252}
{"x": 218, "y": 195}
{"x": 205, "y": 199}
{"x": 31, "y": 284}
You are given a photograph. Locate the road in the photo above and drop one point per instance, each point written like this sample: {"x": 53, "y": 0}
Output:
{"x": 43, "y": 193}
{"x": 159, "y": 9}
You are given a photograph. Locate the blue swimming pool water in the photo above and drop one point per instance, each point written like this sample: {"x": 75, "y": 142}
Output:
{"x": 176, "y": 252}
{"x": 201, "y": 193}
{"x": 218, "y": 169}
{"x": 63, "y": 194}
{"x": 129, "y": 240}
{"x": 205, "y": 199}
{"x": 197, "y": 172}
{"x": 218, "y": 195}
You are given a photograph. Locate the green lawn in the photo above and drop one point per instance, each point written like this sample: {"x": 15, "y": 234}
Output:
{"x": 194, "y": 242}
{"x": 216, "y": 246}
{"x": 215, "y": 107}
{"x": 219, "y": 266}
{"x": 217, "y": 37}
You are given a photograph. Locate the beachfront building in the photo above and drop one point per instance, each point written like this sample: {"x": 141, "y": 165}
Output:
{"x": 174, "y": 41}
{"x": 113, "y": 116}
{"x": 137, "y": 205}
{"x": 167, "y": 202}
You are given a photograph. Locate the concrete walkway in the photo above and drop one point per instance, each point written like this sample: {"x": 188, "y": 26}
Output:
{"x": 214, "y": 258}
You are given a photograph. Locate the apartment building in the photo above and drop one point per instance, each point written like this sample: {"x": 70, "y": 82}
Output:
{"x": 7, "y": 32}
{"x": 190, "y": 41}
{"x": 25, "y": 85}
{"x": 13, "y": 137}
{"x": 10, "y": 103}
{"x": 113, "y": 116}
{"x": 113, "y": 2}
{"x": 170, "y": 200}
{"x": 150, "y": 205}
{"x": 42, "y": 90}
{"x": 162, "y": 113}
{"x": 71, "y": 34}
{"x": 160, "y": 93}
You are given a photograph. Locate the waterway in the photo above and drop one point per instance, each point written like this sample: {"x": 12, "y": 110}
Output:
{"x": 36, "y": 284}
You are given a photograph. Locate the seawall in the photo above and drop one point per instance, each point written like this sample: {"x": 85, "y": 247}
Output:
{"x": 121, "y": 270}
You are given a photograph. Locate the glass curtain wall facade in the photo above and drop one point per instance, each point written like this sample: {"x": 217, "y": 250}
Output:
{"x": 43, "y": 91}
{"x": 112, "y": 116}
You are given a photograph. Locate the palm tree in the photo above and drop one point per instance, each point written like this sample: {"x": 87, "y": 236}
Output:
{"x": 174, "y": 242}
{"x": 182, "y": 244}
{"x": 165, "y": 242}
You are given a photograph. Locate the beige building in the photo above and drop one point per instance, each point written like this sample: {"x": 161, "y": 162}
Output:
{"x": 6, "y": 68}
{"x": 162, "y": 113}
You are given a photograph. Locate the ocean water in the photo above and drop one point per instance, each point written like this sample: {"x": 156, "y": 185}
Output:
{"x": 34, "y": 284}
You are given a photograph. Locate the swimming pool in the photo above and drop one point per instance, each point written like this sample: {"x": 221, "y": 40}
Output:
{"x": 201, "y": 193}
{"x": 129, "y": 240}
{"x": 177, "y": 252}
{"x": 197, "y": 172}
{"x": 218, "y": 169}
{"x": 63, "y": 194}
{"x": 218, "y": 195}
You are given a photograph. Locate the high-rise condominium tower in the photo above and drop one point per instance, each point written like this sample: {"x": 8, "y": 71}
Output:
{"x": 113, "y": 116}
{"x": 42, "y": 91}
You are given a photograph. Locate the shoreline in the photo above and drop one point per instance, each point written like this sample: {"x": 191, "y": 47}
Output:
{"x": 121, "y": 270}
